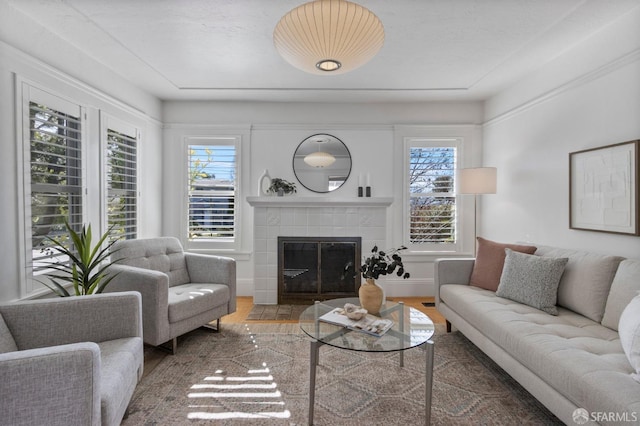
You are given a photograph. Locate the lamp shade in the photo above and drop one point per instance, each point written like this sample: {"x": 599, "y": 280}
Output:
{"x": 479, "y": 180}
{"x": 319, "y": 159}
{"x": 328, "y": 36}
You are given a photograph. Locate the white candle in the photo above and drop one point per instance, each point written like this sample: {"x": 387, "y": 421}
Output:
{"x": 360, "y": 179}
{"x": 368, "y": 179}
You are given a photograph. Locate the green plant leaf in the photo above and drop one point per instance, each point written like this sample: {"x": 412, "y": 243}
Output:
{"x": 56, "y": 287}
{"x": 86, "y": 267}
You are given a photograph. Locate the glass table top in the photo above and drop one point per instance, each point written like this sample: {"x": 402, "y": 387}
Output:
{"x": 410, "y": 328}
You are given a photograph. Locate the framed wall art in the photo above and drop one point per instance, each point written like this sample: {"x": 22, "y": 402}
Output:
{"x": 603, "y": 188}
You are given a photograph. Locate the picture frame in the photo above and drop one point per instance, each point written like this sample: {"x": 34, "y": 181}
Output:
{"x": 603, "y": 189}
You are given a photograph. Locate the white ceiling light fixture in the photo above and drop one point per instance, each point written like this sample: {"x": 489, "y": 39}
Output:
{"x": 320, "y": 158}
{"x": 328, "y": 36}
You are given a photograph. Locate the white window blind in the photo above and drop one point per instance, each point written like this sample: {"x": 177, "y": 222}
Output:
{"x": 212, "y": 183}
{"x": 55, "y": 163}
{"x": 432, "y": 200}
{"x": 122, "y": 191}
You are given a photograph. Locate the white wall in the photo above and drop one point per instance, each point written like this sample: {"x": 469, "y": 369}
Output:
{"x": 64, "y": 71}
{"x": 370, "y": 132}
{"x": 587, "y": 98}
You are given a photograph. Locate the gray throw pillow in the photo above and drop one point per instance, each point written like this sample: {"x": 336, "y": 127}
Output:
{"x": 532, "y": 280}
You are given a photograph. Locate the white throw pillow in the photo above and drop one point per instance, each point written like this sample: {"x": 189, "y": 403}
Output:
{"x": 629, "y": 330}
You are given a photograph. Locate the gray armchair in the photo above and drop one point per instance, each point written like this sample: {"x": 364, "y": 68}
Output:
{"x": 181, "y": 291}
{"x": 70, "y": 361}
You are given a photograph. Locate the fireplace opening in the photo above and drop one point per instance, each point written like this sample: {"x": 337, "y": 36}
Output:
{"x": 317, "y": 268}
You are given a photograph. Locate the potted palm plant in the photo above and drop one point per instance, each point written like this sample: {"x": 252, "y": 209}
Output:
{"x": 84, "y": 265}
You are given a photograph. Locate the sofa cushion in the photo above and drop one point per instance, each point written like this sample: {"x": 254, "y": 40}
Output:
{"x": 586, "y": 281}
{"x": 625, "y": 286}
{"x": 163, "y": 254}
{"x": 629, "y": 329}
{"x": 188, "y": 300}
{"x": 7, "y": 344}
{"x": 532, "y": 280}
{"x": 578, "y": 357}
{"x": 120, "y": 370}
{"x": 487, "y": 268}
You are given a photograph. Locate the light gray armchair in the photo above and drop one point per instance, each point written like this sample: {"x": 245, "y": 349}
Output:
{"x": 181, "y": 291}
{"x": 70, "y": 361}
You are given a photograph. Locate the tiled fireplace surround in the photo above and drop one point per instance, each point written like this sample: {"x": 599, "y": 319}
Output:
{"x": 309, "y": 217}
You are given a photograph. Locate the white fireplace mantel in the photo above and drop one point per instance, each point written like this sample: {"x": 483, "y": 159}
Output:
{"x": 294, "y": 201}
{"x": 308, "y": 216}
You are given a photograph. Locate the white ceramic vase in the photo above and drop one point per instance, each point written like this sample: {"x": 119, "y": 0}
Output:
{"x": 264, "y": 183}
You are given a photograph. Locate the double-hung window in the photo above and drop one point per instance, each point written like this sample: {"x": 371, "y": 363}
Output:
{"x": 431, "y": 213}
{"x": 54, "y": 181}
{"x": 68, "y": 178}
{"x": 121, "y": 180}
{"x": 212, "y": 181}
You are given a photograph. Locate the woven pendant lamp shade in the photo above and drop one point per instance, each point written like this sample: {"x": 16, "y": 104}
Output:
{"x": 328, "y": 36}
{"x": 319, "y": 159}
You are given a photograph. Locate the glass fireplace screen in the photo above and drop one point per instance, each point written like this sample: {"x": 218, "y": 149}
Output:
{"x": 317, "y": 268}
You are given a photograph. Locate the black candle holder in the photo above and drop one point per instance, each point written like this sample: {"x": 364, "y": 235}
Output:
{"x": 368, "y": 191}
{"x": 359, "y": 191}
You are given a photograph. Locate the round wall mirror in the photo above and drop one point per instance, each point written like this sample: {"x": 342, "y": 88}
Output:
{"x": 322, "y": 163}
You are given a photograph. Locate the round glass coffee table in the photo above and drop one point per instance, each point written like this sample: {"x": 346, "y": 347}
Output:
{"x": 410, "y": 328}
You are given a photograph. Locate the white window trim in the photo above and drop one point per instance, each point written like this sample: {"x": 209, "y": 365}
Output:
{"x": 410, "y": 142}
{"x": 67, "y": 92}
{"x": 108, "y": 121}
{"x": 469, "y": 153}
{"x": 29, "y": 287}
{"x": 211, "y": 245}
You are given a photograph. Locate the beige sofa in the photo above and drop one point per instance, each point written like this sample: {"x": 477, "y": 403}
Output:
{"x": 570, "y": 361}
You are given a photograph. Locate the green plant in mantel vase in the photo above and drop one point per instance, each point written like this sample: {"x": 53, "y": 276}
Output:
{"x": 85, "y": 268}
{"x": 280, "y": 186}
{"x": 378, "y": 263}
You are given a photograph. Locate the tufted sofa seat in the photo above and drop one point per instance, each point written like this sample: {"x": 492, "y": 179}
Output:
{"x": 568, "y": 361}
{"x": 181, "y": 291}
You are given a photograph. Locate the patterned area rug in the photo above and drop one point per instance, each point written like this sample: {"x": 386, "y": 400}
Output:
{"x": 275, "y": 312}
{"x": 257, "y": 374}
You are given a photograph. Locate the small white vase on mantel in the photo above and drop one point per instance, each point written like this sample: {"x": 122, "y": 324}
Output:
{"x": 264, "y": 183}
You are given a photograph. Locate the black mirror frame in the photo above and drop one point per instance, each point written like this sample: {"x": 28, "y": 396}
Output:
{"x": 293, "y": 161}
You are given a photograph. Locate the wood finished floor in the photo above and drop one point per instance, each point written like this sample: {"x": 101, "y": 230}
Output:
{"x": 245, "y": 304}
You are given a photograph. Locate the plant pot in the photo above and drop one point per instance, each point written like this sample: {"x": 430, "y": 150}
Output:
{"x": 280, "y": 192}
{"x": 371, "y": 296}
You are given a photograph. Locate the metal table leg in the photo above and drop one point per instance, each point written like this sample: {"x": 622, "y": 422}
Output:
{"x": 313, "y": 362}
{"x": 401, "y": 327}
{"x": 428, "y": 378}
